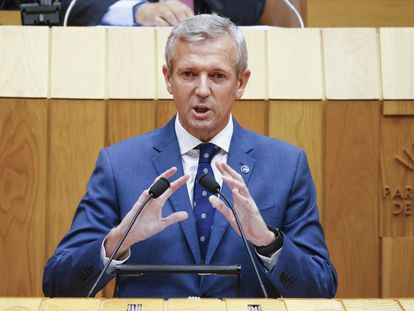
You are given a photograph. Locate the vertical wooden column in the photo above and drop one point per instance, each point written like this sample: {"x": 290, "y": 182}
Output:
{"x": 23, "y": 154}
{"x": 351, "y": 195}
{"x": 397, "y": 162}
{"x": 77, "y": 133}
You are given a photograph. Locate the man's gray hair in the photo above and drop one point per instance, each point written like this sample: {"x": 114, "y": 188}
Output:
{"x": 207, "y": 26}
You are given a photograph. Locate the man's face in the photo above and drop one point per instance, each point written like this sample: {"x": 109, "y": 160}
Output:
{"x": 204, "y": 84}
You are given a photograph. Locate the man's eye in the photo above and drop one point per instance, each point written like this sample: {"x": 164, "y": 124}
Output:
{"x": 218, "y": 75}
{"x": 188, "y": 74}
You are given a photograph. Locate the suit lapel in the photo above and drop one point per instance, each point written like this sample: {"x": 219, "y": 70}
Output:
{"x": 169, "y": 156}
{"x": 241, "y": 162}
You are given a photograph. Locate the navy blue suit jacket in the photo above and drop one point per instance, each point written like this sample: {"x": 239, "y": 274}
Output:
{"x": 278, "y": 180}
{"x": 241, "y": 12}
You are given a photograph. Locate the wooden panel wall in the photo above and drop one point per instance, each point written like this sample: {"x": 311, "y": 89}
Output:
{"x": 351, "y": 195}
{"x": 361, "y": 152}
{"x": 361, "y": 13}
{"x": 23, "y": 154}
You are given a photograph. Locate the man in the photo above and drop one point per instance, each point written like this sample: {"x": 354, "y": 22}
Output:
{"x": 160, "y": 12}
{"x": 268, "y": 181}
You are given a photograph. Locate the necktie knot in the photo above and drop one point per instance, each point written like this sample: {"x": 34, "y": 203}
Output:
{"x": 207, "y": 152}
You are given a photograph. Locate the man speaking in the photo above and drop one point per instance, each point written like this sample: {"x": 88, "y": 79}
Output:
{"x": 267, "y": 180}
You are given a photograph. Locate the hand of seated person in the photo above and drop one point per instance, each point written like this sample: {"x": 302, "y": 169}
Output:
{"x": 167, "y": 13}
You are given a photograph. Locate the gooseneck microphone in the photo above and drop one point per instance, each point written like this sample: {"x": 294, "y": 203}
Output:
{"x": 158, "y": 188}
{"x": 211, "y": 185}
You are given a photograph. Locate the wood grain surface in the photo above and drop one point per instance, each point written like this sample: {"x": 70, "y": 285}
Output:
{"x": 351, "y": 63}
{"x": 351, "y": 195}
{"x": 301, "y": 123}
{"x": 77, "y": 133}
{"x": 23, "y": 154}
{"x": 24, "y": 61}
{"x": 128, "y": 118}
{"x": 397, "y": 176}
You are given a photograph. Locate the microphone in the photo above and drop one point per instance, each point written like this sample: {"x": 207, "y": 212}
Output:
{"x": 158, "y": 188}
{"x": 211, "y": 185}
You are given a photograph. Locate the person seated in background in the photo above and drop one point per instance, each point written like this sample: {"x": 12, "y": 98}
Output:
{"x": 171, "y": 12}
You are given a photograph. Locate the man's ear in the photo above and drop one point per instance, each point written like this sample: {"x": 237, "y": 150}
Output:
{"x": 168, "y": 77}
{"x": 241, "y": 83}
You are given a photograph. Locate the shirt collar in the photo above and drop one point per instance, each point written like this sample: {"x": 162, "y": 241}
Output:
{"x": 188, "y": 142}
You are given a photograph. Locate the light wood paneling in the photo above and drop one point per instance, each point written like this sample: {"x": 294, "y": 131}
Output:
{"x": 23, "y": 132}
{"x": 361, "y": 13}
{"x": 68, "y": 304}
{"x": 397, "y": 267}
{"x": 407, "y": 304}
{"x": 397, "y": 176}
{"x": 252, "y": 115}
{"x": 371, "y": 304}
{"x": 301, "y": 124}
{"x": 24, "y": 57}
{"x": 313, "y": 304}
{"x": 398, "y": 108}
{"x": 351, "y": 195}
{"x": 255, "y": 42}
{"x": 397, "y": 62}
{"x": 265, "y": 304}
{"x": 131, "y": 54}
{"x": 351, "y": 63}
{"x": 78, "y": 62}
{"x": 26, "y": 304}
{"x": 162, "y": 34}
{"x": 294, "y": 64}
{"x": 122, "y": 304}
{"x": 195, "y": 305}
{"x": 128, "y": 118}
{"x": 77, "y": 133}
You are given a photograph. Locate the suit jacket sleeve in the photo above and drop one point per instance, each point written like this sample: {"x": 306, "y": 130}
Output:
{"x": 303, "y": 268}
{"x": 86, "y": 12}
{"x": 243, "y": 12}
{"x": 74, "y": 267}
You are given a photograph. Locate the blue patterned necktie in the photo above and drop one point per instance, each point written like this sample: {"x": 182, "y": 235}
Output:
{"x": 203, "y": 211}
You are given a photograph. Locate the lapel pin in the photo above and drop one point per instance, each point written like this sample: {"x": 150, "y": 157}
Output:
{"x": 245, "y": 169}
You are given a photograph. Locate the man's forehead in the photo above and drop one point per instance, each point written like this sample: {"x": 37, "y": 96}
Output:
{"x": 180, "y": 43}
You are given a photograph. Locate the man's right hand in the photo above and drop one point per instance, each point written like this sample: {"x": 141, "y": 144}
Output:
{"x": 150, "y": 221}
{"x": 167, "y": 13}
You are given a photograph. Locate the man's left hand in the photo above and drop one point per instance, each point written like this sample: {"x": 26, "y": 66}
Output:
{"x": 250, "y": 218}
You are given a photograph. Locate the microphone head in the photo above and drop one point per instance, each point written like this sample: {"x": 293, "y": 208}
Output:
{"x": 159, "y": 187}
{"x": 209, "y": 183}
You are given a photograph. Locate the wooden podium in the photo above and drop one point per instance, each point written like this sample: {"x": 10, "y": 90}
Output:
{"x": 205, "y": 304}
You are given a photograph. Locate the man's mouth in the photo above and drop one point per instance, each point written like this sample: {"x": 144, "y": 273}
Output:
{"x": 201, "y": 109}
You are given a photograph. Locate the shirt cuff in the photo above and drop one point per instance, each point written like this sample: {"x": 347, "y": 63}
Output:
{"x": 114, "y": 262}
{"x": 121, "y": 13}
{"x": 270, "y": 262}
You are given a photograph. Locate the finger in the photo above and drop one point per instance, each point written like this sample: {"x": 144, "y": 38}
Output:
{"x": 168, "y": 173}
{"x": 167, "y": 14}
{"x": 174, "y": 218}
{"x": 235, "y": 184}
{"x": 232, "y": 172}
{"x": 241, "y": 203}
{"x": 219, "y": 205}
{"x": 158, "y": 21}
{"x": 183, "y": 13}
{"x": 227, "y": 213}
{"x": 174, "y": 186}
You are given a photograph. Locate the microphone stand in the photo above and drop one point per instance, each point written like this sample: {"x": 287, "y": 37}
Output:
{"x": 211, "y": 185}
{"x": 155, "y": 191}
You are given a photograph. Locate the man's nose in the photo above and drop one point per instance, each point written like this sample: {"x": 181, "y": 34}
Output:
{"x": 203, "y": 87}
